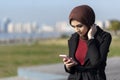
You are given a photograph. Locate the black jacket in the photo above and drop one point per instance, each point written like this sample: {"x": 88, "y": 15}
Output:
{"x": 95, "y": 60}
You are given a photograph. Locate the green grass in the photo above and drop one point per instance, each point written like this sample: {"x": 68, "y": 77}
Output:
{"x": 42, "y": 52}
{"x": 115, "y": 48}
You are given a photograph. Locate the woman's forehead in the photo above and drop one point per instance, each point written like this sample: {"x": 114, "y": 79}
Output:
{"x": 75, "y": 22}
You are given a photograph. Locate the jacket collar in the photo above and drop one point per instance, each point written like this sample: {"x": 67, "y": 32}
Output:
{"x": 73, "y": 43}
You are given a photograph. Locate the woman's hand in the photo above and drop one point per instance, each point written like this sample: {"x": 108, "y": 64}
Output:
{"x": 69, "y": 62}
{"x": 92, "y": 31}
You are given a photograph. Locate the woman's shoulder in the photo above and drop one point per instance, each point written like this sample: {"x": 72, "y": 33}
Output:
{"x": 102, "y": 33}
{"x": 74, "y": 35}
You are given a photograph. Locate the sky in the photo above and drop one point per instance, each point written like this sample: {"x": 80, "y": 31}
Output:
{"x": 52, "y": 11}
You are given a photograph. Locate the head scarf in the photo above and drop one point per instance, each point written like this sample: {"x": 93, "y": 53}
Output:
{"x": 83, "y": 14}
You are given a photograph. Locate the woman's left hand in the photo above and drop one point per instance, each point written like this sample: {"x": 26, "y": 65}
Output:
{"x": 92, "y": 31}
{"x": 69, "y": 63}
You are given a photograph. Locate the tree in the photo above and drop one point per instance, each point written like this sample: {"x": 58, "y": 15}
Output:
{"x": 115, "y": 26}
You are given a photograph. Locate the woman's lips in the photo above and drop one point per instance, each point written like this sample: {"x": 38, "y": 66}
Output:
{"x": 79, "y": 32}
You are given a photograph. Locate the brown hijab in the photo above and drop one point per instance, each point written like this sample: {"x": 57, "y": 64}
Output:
{"x": 83, "y": 14}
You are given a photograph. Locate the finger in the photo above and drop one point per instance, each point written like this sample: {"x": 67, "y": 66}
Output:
{"x": 73, "y": 61}
{"x": 70, "y": 64}
{"x": 64, "y": 59}
{"x": 68, "y": 61}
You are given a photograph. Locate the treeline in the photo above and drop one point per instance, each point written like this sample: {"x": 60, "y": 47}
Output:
{"x": 114, "y": 26}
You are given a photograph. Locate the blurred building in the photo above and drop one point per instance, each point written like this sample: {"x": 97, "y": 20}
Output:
{"x": 107, "y": 24}
{"x": 18, "y": 28}
{"x": 100, "y": 24}
{"x": 103, "y": 24}
{"x": 47, "y": 28}
{"x": 63, "y": 27}
{"x": 27, "y": 28}
{"x": 11, "y": 28}
{"x": 4, "y": 25}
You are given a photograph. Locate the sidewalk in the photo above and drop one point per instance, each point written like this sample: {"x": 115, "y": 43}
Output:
{"x": 56, "y": 71}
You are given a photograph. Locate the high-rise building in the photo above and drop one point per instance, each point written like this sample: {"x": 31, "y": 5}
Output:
{"x": 63, "y": 27}
{"x": 4, "y": 24}
{"x": 11, "y": 28}
{"x": 18, "y": 28}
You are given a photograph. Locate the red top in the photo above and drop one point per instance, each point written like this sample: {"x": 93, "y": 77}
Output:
{"x": 81, "y": 51}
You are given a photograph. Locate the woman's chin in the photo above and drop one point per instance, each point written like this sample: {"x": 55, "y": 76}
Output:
{"x": 80, "y": 35}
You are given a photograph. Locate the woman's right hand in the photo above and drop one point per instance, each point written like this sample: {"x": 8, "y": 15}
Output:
{"x": 69, "y": 62}
{"x": 92, "y": 31}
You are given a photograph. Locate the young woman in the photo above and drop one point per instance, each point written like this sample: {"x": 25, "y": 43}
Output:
{"x": 88, "y": 46}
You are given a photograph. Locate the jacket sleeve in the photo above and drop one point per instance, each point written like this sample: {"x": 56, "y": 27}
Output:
{"x": 72, "y": 43}
{"x": 72, "y": 69}
{"x": 102, "y": 51}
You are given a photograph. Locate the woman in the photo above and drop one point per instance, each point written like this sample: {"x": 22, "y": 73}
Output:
{"x": 88, "y": 46}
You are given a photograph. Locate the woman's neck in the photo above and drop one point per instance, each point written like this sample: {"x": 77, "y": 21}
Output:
{"x": 83, "y": 37}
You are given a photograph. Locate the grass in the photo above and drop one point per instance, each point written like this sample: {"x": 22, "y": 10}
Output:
{"x": 115, "y": 48}
{"x": 42, "y": 52}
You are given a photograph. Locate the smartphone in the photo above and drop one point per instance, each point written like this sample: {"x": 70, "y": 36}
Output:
{"x": 63, "y": 56}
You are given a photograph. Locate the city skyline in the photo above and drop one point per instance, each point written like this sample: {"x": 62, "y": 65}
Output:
{"x": 7, "y": 26}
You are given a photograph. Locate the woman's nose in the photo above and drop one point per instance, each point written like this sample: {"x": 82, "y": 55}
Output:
{"x": 77, "y": 28}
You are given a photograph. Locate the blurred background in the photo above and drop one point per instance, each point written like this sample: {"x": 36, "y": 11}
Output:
{"x": 35, "y": 32}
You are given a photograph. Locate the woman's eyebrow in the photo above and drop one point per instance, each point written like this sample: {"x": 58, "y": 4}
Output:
{"x": 77, "y": 25}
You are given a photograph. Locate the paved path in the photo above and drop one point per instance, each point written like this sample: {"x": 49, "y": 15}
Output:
{"x": 113, "y": 68}
{"x": 44, "y": 71}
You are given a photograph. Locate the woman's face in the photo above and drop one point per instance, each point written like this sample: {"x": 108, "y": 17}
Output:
{"x": 79, "y": 27}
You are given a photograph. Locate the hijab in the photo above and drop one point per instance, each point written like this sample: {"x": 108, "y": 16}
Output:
{"x": 83, "y": 14}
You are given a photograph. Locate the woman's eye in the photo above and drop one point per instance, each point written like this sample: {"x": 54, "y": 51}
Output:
{"x": 80, "y": 25}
